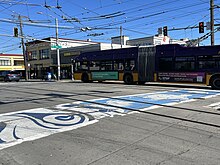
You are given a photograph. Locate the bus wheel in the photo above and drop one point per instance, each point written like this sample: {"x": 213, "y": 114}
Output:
{"x": 85, "y": 78}
{"x": 128, "y": 79}
{"x": 215, "y": 83}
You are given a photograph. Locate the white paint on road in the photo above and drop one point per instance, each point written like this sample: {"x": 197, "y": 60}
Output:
{"x": 215, "y": 105}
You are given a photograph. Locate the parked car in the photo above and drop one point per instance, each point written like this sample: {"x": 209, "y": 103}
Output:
{"x": 10, "y": 76}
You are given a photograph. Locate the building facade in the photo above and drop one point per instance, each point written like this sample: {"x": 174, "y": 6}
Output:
{"x": 121, "y": 40}
{"x": 159, "y": 39}
{"x": 12, "y": 62}
{"x": 39, "y": 54}
{"x": 155, "y": 40}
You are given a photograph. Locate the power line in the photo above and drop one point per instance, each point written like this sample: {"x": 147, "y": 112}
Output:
{"x": 122, "y": 15}
{"x": 147, "y": 16}
{"x": 35, "y": 24}
{"x": 189, "y": 27}
{"x": 18, "y": 3}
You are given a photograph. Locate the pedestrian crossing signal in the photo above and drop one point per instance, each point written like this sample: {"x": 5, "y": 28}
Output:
{"x": 201, "y": 27}
{"x": 15, "y": 32}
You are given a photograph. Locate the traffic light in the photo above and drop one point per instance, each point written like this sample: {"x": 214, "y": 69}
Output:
{"x": 165, "y": 30}
{"x": 201, "y": 27}
{"x": 15, "y": 32}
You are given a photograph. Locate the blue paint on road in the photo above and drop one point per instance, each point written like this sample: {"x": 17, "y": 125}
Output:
{"x": 147, "y": 100}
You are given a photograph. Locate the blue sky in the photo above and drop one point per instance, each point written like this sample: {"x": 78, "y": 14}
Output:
{"x": 99, "y": 20}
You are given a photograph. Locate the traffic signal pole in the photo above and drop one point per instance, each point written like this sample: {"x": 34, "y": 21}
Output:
{"x": 23, "y": 48}
{"x": 212, "y": 21}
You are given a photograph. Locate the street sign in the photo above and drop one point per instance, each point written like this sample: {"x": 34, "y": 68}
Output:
{"x": 56, "y": 46}
{"x": 208, "y": 26}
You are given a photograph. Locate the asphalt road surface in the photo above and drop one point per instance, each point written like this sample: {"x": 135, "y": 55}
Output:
{"x": 74, "y": 123}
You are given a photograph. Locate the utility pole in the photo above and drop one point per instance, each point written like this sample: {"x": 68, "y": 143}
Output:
{"x": 23, "y": 48}
{"x": 212, "y": 21}
{"x": 58, "y": 51}
{"x": 121, "y": 35}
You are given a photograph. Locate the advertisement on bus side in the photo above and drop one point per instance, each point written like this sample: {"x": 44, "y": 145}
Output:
{"x": 193, "y": 77}
{"x": 105, "y": 75}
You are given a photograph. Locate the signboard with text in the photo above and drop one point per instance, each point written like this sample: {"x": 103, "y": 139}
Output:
{"x": 105, "y": 75}
{"x": 194, "y": 77}
{"x": 56, "y": 46}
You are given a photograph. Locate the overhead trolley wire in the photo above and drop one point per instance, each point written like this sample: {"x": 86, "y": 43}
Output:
{"x": 142, "y": 17}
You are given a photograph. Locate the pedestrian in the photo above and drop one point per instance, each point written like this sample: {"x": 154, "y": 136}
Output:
{"x": 49, "y": 76}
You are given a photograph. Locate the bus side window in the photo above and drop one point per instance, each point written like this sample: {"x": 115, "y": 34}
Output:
{"x": 102, "y": 66}
{"x": 106, "y": 65}
{"x": 116, "y": 65}
{"x": 95, "y": 65}
{"x": 77, "y": 66}
{"x": 165, "y": 64}
{"x": 120, "y": 66}
{"x": 132, "y": 65}
{"x": 129, "y": 65}
{"x": 185, "y": 63}
{"x": 84, "y": 65}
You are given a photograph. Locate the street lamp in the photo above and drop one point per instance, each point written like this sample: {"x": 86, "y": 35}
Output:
{"x": 57, "y": 45}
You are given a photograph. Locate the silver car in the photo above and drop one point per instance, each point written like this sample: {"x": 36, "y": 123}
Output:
{"x": 10, "y": 76}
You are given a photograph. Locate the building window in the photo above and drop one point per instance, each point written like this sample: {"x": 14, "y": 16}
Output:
{"x": 18, "y": 63}
{"x": 44, "y": 53}
{"x": 5, "y": 62}
{"x": 33, "y": 55}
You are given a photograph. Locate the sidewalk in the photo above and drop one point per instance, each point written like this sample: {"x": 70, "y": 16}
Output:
{"x": 40, "y": 80}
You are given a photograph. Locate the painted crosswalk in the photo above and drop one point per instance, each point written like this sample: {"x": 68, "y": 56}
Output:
{"x": 32, "y": 124}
